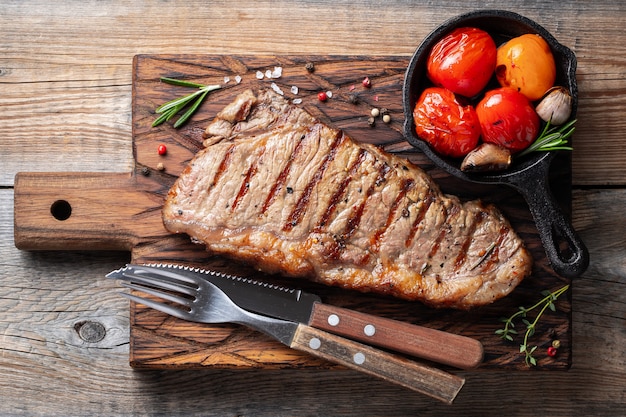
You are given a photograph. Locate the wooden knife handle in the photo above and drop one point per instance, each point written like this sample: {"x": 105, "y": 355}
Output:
{"x": 423, "y": 342}
{"x": 398, "y": 370}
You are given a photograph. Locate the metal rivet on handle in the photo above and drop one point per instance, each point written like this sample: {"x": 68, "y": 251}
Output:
{"x": 315, "y": 343}
{"x": 333, "y": 319}
{"x": 359, "y": 358}
{"x": 369, "y": 330}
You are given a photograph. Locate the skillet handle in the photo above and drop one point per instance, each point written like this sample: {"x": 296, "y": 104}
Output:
{"x": 554, "y": 228}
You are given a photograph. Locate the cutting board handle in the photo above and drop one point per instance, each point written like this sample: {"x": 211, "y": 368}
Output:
{"x": 85, "y": 211}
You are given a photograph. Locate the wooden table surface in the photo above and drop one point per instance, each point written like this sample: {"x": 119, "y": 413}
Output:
{"x": 65, "y": 105}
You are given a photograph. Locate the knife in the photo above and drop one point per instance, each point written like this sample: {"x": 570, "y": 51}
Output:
{"x": 302, "y": 307}
{"x": 199, "y": 300}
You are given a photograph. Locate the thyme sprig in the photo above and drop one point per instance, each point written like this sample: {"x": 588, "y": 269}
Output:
{"x": 552, "y": 138}
{"x": 173, "y": 107}
{"x": 547, "y": 302}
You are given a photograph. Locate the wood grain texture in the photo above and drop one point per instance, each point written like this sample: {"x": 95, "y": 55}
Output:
{"x": 65, "y": 101}
{"x": 395, "y": 369}
{"x": 423, "y": 342}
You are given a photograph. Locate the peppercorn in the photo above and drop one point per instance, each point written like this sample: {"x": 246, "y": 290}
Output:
{"x": 386, "y": 118}
{"x": 353, "y": 99}
{"x": 375, "y": 112}
{"x": 162, "y": 149}
{"x": 366, "y": 82}
{"x": 556, "y": 344}
{"x": 553, "y": 333}
{"x": 145, "y": 171}
{"x": 160, "y": 166}
{"x": 322, "y": 96}
{"x": 551, "y": 351}
{"x": 310, "y": 67}
{"x": 371, "y": 121}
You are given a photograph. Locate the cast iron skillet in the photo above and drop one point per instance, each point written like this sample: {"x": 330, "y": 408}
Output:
{"x": 529, "y": 175}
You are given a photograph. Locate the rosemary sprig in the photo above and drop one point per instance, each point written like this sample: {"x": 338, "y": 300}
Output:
{"x": 552, "y": 138}
{"x": 547, "y": 302}
{"x": 173, "y": 107}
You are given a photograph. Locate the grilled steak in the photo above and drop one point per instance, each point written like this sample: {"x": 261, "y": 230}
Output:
{"x": 278, "y": 189}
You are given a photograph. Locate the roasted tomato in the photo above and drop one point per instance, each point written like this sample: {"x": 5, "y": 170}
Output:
{"x": 526, "y": 63}
{"x": 507, "y": 119}
{"x": 463, "y": 61}
{"x": 450, "y": 127}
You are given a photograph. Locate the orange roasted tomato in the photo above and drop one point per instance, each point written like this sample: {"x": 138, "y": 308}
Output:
{"x": 526, "y": 63}
{"x": 463, "y": 61}
{"x": 450, "y": 127}
{"x": 507, "y": 119}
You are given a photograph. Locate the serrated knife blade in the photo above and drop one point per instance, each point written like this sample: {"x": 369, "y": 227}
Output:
{"x": 306, "y": 308}
{"x": 198, "y": 300}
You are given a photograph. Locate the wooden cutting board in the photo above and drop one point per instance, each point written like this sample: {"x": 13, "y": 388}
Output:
{"x": 70, "y": 211}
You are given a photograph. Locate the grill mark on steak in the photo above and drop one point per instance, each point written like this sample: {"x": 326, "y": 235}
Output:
{"x": 223, "y": 165}
{"x": 355, "y": 218}
{"x": 340, "y": 192}
{"x": 301, "y": 206}
{"x": 493, "y": 257}
{"x": 245, "y": 185}
{"x": 462, "y": 255}
{"x": 442, "y": 234}
{"x": 307, "y": 201}
{"x": 407, "y": 184}
{"x": 423, "y": 208}
{"x": 282, "y": 177}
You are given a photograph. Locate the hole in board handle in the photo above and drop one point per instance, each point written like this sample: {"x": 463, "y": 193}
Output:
{"x": 61, "y": 210}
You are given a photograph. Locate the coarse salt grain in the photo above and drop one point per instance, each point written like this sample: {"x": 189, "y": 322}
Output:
{"x": 278, "y": 72}
{"x": 296, "y": 101}
{"x": 226, "y": 80}
{"x": 277, "y": 89}
{"x": 329, "y": 94}
{"x": 268, "y": 74}
{"x": 294, "y": 90}
{"x": 259, "y": 75}
{"x": 238, "y": 79}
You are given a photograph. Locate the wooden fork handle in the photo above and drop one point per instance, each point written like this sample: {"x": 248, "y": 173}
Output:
{"x": 395, "y": 369}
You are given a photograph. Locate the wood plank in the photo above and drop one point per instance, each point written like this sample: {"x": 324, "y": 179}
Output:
{"x": 58, "y": 86}
{"x": 68, "y": 66}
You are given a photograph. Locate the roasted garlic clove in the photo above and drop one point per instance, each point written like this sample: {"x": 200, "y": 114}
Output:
{"x": 487, "y": 157}
{"x": 556, "y": 106}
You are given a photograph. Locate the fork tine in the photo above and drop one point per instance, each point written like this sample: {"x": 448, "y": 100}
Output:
{"x": 157, "y": 293}
{"x": 158, "y": 282}
{"x": 162, "y": 307}
{"x": 153, "y": 271}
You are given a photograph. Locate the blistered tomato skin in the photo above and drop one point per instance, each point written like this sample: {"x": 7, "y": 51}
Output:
{"x": 526, "y": 63}
{"x": 507, "y": 119}
{"x": 463, "y": 61}
{"x": 450, "y": 127}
